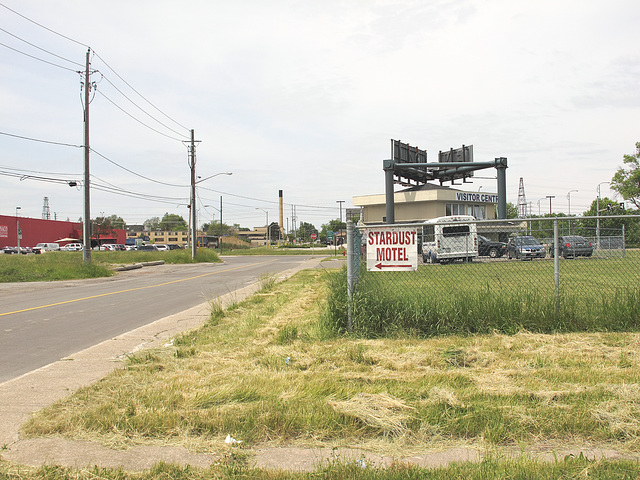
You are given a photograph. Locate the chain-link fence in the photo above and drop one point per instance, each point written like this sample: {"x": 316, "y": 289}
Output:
{"x": 540, "y": 274}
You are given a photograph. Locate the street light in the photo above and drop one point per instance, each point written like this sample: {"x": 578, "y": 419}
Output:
{"x": 540, "y": 199}
{"x": 219, "y": 210}
{"x": 569, "y": 200}
{"x": 598, "y": 214}
{"x": 194, "y": 227}
{"x": 18, "y": 228}
{"x": 550, "y": 197}
{"x": 268, "y": 235}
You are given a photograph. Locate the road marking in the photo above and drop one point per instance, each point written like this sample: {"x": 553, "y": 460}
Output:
{"x": 134, "y": 289}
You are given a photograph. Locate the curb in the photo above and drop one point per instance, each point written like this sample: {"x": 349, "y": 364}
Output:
{"x": 135, "y": 266}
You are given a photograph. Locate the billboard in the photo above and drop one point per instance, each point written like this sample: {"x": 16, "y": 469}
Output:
{"x": 458, "y": 155}
{"x": 403, "y": 153}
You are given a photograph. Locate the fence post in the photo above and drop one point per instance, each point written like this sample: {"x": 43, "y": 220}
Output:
{"x": 624, "y": 247}
{"x": 556, "y": 259}
{"x": 350, "y": 276}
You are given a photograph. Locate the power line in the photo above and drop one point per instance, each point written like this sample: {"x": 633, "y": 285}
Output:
{"x": 141, "y": 96}
{"x": 145, "y": 112}
{"x": 39, "y": 59}
{"x": 40, "y": 48}
{"x": 41, "y": 141}
{"x": 135, "y": 173}
{"x": 42, "y": 26}
{"x": 37, "y": 171}
{"x": 136, "y": 119}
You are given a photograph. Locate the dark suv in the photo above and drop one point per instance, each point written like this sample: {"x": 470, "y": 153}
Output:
{"x": 525, "y": 247}
{"x": 573, "y": 246}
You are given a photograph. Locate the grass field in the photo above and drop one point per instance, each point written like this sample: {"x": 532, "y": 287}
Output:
{"x": 53, "y": 266}
{"x": 505, "y": 296}
{"x": 269, "y": 373}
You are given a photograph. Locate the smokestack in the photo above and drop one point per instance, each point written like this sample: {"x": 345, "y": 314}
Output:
{"x": 281, "y": 214}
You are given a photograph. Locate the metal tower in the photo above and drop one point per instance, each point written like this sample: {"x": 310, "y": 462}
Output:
{"x": 46, "y": 213}
{"x": 522, "y": 200}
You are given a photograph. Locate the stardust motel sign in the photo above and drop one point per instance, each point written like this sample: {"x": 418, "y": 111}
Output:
{"x": 392, "y": 249}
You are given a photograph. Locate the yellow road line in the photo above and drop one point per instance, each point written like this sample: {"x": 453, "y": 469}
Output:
{"x": 134, "y": 289}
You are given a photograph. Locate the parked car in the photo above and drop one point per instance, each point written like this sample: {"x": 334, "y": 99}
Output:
{"x": 489, "y": 248}
{"x": 162, "y": 248}
{"x": 72, "y": 247}
{"x": 108, "y": 247}
{"x": 173, "y": 246}
{"x": 11, "y": 250}
{"x": 46, "y": 247}
{"x": 524, "y": 247}
{"x": 147, "y": 248}
{"x": 573, "y": 246}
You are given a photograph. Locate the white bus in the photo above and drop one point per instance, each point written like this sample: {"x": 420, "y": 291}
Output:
{"x": 445, "y": 239}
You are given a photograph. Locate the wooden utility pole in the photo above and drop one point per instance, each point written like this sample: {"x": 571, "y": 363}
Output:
{"x": 192, "y": 164}
{"x": 86, "y": 227}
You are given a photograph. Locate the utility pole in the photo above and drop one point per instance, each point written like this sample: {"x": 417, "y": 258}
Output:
{"x": 220, "y": 236}
{"x": 340, "y": 202}
{"x": 192, "y": 165}
{"x": 86, "y": 226}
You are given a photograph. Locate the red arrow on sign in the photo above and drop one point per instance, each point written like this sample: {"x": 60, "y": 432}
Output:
{"x": 380, "y": 265}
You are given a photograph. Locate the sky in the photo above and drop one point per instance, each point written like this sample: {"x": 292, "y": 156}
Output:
{"x": 305, "y": 97}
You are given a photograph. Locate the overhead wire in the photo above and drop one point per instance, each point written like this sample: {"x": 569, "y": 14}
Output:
{"x": 42, "y": 26}
{"x": 40, "y": 48}
{"x": 40, "y": 140}
{"x": 136, "y": 91}
{"x": 135, "y": 173}
{"x": 136, "y": 119}
{"x": 37, "y": 58}
{"x": 144, "y": 111}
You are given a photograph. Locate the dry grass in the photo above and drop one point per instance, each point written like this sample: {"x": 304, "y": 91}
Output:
{"x": 264, "y": 373}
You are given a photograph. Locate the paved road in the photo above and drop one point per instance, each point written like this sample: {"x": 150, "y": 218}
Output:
{"x": 43, "y": 322}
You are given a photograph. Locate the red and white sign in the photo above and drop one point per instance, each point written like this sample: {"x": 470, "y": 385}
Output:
{"x": 313, "y": 236}
{"x": 392, "y": 249}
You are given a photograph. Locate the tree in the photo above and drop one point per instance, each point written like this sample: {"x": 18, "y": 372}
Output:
{"x": 274, "y": 231}
{"x": 626, "y": 181}
{"x": 173, "y": 223}
{"x": 152, "y": 223}
{"x": 305, "y": 230}
{"x": 102, "y": 227}
{"x": 117, "y": 222}
{"x": 512, "y": 210}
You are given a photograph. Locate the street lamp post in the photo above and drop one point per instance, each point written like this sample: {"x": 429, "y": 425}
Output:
{"x": 569, "y": 205}
{"x": 18, "y": 228}
{"x": 598, "y": 215}
{"x": 268, "y": 234}
{"x": 213, "y": 218}
{"x": 550, "y": 197}
{"x": 194, "y": 182}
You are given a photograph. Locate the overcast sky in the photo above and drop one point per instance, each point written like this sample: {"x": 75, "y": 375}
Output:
{"x": 305, "y": 96}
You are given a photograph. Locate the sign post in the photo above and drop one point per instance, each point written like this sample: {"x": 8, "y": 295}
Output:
{"x": 392, "y": 249}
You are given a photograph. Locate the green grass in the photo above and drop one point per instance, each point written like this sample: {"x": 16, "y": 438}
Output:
{"x": 509, "y": 296}
{"x": 265, "y": 373}
{"x": 235, "y": 467}
{"x": 52, "y": 266}
{"x": 49, "y": 266}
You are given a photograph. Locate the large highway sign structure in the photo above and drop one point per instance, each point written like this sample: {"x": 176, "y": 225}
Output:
{"x": 408, "y": 166}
